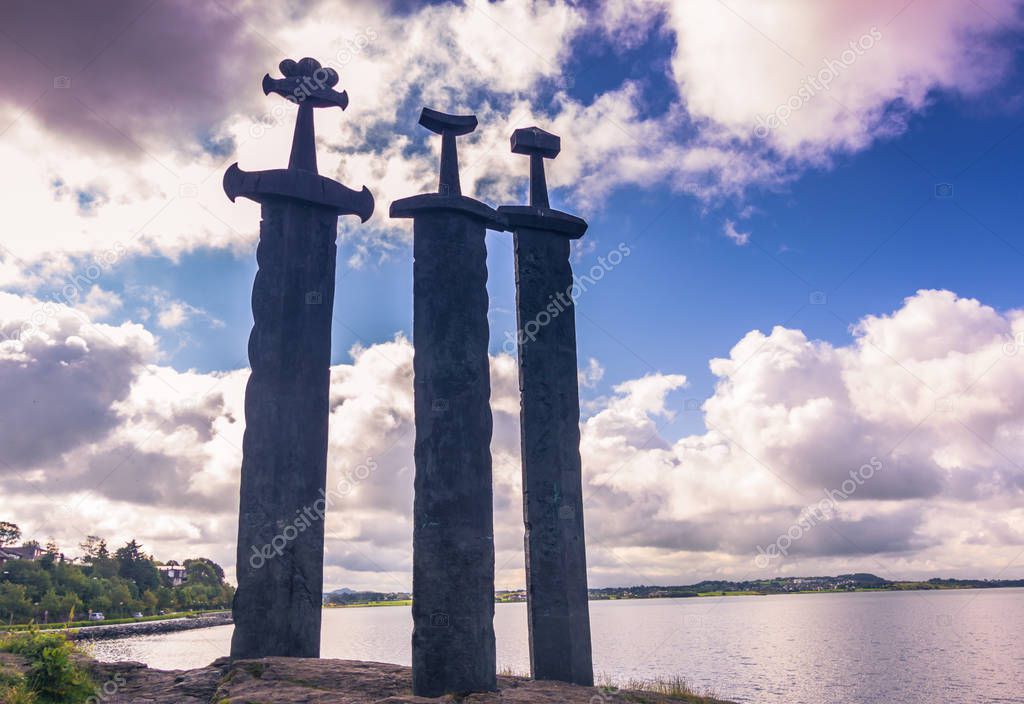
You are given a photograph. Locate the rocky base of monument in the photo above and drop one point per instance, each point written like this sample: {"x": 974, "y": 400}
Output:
{"x": 295, "y": 680}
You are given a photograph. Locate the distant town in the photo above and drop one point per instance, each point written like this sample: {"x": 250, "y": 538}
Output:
{"x": 861, "y": 581}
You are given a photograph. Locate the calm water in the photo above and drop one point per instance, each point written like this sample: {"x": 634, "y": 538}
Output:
{"x": 868, "y": 647}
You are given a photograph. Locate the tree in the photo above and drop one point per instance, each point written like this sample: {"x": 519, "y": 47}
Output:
{"x": 94, "y": 548}
{"x": 165, "y": 599}
{"x": 30, "y": 575}
{"x": 10, "y": 533}
{"x": 50, "y": 555}
{"x": 49, "y": 607}
{"x": 70, "y": 604}
{"x": 149, "y": 599}
{"x": 14, "y": 602}
{"x": 137, "y": 566}
{"x": 100, "y": 603}
{"x": 204, "y": 571}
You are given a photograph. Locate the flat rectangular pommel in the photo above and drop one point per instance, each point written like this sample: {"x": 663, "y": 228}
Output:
{"x": 534, "y": 140}
{"x": 443, "y": 123}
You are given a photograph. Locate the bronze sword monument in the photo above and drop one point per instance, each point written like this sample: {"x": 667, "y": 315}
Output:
{"x": 284, "y": 456}
{"x": 556, "y": 561}
{"x": 453, "y": 535}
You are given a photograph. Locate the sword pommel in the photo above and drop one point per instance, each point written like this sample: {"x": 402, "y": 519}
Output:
{"x": 306, "y": 82}
{"x": 534, "y": 140}
{"x": 539, "y": 145}
{"x": 443, "y": 123}
{"x": 449, "y": 127}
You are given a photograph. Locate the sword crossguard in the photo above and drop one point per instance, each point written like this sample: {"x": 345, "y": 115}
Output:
{"x": 539, "y": 145}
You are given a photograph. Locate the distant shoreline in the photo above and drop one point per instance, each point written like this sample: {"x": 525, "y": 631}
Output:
{"x": 903, "y": 587}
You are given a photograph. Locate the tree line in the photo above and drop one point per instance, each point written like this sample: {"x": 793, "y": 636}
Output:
{"x": 119, "y": 583}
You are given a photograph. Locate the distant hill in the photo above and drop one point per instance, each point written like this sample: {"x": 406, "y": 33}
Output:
{"x": 347, "y": 597}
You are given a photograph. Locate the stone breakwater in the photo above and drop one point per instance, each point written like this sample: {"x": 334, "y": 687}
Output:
{"x": 145, "y": 628}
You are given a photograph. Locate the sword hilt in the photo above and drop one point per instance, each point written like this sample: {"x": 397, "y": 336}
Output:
{"x": 539, "y": 145}
{"x": 449, "y": 127}
{"x": 309, "y": 85}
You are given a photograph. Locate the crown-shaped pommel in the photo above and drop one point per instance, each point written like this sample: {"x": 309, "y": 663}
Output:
{"x": 306, "y": 82}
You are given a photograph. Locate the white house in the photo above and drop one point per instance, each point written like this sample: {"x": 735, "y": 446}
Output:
{"x": 176, "y": 575}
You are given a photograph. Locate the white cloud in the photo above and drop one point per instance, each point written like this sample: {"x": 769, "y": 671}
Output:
{"x": 730, "y": 231}
{"x": 124, "y": 447}
{"x": 737, "y": 63}
{"x": 591, "y": 374}
{"x": 147, "y": 180}
{"x": 99, "y": 303}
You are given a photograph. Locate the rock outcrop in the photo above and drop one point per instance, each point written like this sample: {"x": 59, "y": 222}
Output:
{"x": 312, "y": 681}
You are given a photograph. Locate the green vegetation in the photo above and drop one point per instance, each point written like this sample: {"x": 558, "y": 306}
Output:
{"x": 52, "y": 589}
{"x": 794, "y": 585}
{"x": 60, "y": 625}
{"x": 675, "y": 688}
{"x": 55, "y": 675}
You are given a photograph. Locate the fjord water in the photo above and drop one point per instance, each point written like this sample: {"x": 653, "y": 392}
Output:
{"x": 848, "y": 648}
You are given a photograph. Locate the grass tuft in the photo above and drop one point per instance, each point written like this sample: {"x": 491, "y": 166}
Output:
{"x": 673, "y": 687}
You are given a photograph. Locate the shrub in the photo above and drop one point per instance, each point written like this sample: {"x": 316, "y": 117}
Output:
{"x": 53, "y": 677}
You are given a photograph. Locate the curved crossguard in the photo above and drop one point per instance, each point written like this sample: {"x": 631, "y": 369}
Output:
{"x": 539, "y": 145}
{"x": 309, "y": 85}
{"x": 449, "y": 127}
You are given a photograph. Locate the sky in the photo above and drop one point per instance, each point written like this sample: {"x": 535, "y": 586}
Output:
{"x": 809, "y": 360}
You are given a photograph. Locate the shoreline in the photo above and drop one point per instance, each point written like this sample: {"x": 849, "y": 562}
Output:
{"x": 136, "y": 628}
{"x": 704, "y": 595}
{"x": 223, "y": 618}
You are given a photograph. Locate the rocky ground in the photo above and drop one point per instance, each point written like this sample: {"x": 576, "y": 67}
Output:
{"x": 306, "y": 681}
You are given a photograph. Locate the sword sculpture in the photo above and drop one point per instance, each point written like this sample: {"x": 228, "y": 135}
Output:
{"x": 556, "y": 560}
{"x": 284, "y": 455}
{"x": 453, "y": 534}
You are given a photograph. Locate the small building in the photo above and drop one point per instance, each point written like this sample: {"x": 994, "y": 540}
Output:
{"x": 175, "y": 575}
{"x": 6, "y": 555}
{"x": 28, "y": 552}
